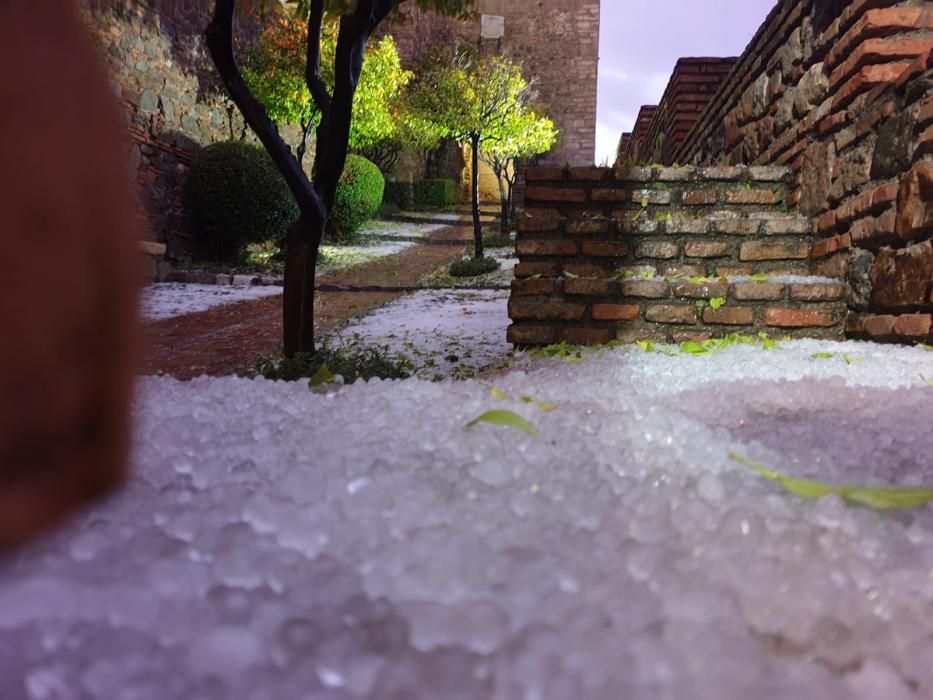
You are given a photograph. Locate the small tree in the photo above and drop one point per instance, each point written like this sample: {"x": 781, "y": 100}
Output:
{"x": 357, "y": 20}
{"x": 475, "y": 101}
{"x": 523, "y": 136}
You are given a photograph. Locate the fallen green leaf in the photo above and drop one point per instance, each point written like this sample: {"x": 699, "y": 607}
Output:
{"x": 571, "y": 276}
{"x": 509, "y": 419}
{"x": 694, "y": 348}
{"x": 928, "y": 348}
{"x": 699, "y": 279}
{"x": 759, "y": 278}
{"x": 646, "y": 345}
{"x": 498, "y": 394}
{"x": 823, "y": 355}
{"x": 877, "y": 497}
{"x": 541, "y": 405}
{"x": 717, "y": 302}
{"x": 321, "y": 377}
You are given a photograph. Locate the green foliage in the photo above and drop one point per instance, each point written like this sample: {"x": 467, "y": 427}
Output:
{"x": 509, "y": 419}
{"x": 234, "y": 196}
{"x": 498, "y": 241}
{"x": 876, "y": 497}
{"x": 352, "y": 360}
{"x": 472, "y": 267}
{"x": 400, "y": 194}
{"x": 712, "y": 346}
{"x": 461, "y": 9}
{"x": 359, "y": 196}
{"x": 275, "y": 72}
{"x": 436, "y": 193}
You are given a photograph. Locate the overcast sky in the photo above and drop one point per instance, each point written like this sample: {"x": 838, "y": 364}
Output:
{"x": 641, "y": 40}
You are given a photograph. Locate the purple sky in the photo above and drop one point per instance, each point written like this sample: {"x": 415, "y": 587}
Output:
{"x": 641, "y": 40}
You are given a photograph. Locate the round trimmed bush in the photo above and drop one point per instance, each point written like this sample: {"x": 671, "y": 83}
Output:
{"x": 472, "y": 267}
{"x": 234, "y": 196}
{"x": 359, "y": 196}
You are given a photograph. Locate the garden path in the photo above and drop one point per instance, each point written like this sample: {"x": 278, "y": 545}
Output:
{"x": 224, "y": 339}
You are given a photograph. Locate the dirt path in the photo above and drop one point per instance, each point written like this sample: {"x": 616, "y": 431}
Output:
{"x": 225, "y": 339}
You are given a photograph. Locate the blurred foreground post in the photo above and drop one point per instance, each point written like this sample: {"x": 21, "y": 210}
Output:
{"x": 69, "y": 270}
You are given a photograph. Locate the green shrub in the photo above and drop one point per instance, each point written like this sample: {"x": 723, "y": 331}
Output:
{"x": 234, "y": 196}
{"x": 499, "y": 240}
{"x": 472, "y": 267}
{"x": 436, "y": 193}
{"x": 359, "y": 196}
{"x": 399, "y": 194}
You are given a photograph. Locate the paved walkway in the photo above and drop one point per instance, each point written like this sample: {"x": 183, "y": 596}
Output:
{"x": 225, "y": 339}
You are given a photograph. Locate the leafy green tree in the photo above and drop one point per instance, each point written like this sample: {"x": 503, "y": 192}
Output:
{"x": 477, "y": 101}
{"x": 356, "y": 22}
{"x": 523, "y": 136}
{"x": 275, "y": 72}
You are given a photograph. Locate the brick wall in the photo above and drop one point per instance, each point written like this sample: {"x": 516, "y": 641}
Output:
{"x": 840, "y": 92}
{"x": 660, "y": 131}
{"x": 643, "y": 252}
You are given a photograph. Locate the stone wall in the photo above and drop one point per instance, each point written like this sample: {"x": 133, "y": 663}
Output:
{"x": 841, "y": 92}
{"x": 644, "y": 252}
{"x": 660, "y": 131}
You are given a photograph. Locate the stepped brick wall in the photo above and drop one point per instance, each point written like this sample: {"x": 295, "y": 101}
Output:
{"x": 691, "y": 87}
{"x": 643, "y": 252}
{"x": 842, "y": 93}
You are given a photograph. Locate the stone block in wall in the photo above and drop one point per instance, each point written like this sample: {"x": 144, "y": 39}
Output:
{"x": 903, "y": 278}
{"x": 892, "y": 152}
{"x": 852, "y": 170}
{"x": 915, "y": 202}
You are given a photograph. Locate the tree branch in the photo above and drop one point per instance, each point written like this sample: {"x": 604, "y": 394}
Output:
{"x": 313, "y": 68}
{"x": 220, "y": 43}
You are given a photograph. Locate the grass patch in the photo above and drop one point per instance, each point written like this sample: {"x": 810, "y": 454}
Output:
{"x": 353, "y": 360}
{"x": 472, "y": 267}
{"x": 499, "y": 241}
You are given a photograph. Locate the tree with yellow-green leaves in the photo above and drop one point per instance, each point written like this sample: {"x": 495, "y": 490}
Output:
{"x": 355, "y": 21}
{"x": 485, "y": 103}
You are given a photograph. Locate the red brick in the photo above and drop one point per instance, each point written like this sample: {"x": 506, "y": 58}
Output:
{"x": 587, "y": 227}
{"x": 703, "y": 249}
{"x": 626, "y": 334}
{"x": 700, "y": 290}
{"x": 520, "y": 334}
{"x": 700, "y": 197}
{"x": 647, "y": 196}
{"x": 664, "y": 250}
{"x": 668, "y": 313}
{"x": 528, "y": 269}
{"x": 913, "y": 325}
{"x": 646, "y": 289}
{"x": 758, "y": 291}
{"x": 690, "y": 336}
{"x": 533, "y": 287}
{"x": 878, "y": 22}
{"x": 583, "y": 270}
{"x": 523, "y": 310}
{"x": 763, "y": 197}
{"x": 826, "y": 222}
{"x": 586, "y": 336}
{"x": 537, "y": 225}
{"x": 608, "y": 195}
{"x": 801, "y": 318}
{"x": 880, "y": 51}
{"x": 543, "y": 173}
{"x": 761, "y": 250}
{"x": 546, "y": 247}
{"x": 879, "y": 326}
{"x": 554, "y": 194}
{"x": 831, "y": 245}
{"x": 867, "y": 78}
{"x": 729, "y": 316}
{"x": 590, "y": 174}
{"x": 616, "y": 312}
{"x": 834, "y": 122}
{"x": 588, "y": 287}
{"x": 605, "y": 249}
{"x": 828, "y": 291}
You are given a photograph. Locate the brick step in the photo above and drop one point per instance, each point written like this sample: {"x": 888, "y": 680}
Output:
{"x": 594, "y": 311}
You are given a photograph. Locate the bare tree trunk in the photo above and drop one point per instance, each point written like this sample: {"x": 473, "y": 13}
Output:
{"x": 474, "y": 189}
{"x": 504, "y": 207}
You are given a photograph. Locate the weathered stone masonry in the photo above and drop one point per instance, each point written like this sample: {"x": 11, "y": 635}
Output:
{"x": 841, "y": 93}
{"x": 608, "y": 255}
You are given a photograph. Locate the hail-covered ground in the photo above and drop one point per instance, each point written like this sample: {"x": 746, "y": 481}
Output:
{"x": 363, "y": 542}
